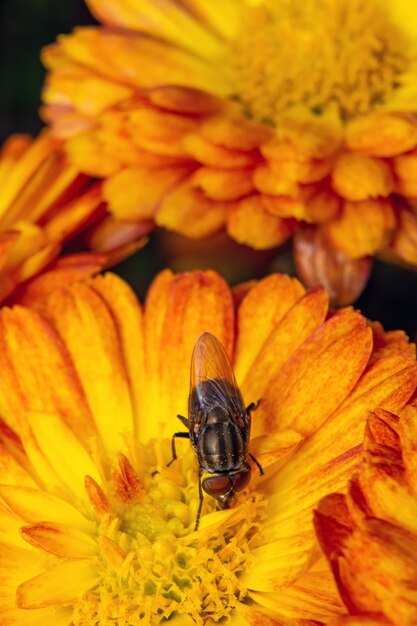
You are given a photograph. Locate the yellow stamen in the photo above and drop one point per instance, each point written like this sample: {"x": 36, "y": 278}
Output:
{"x": 152, "y": 564}
{"x": 317, "y": 53}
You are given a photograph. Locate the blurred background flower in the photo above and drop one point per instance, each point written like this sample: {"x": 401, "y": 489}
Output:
{"x": 46, "y": 203}
{"x": 258, "y": 117}
{"x": 89, "y": 390}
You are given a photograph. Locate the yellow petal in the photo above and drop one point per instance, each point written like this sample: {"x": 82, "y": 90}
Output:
{"x": 58, "y": 585}
{"x": 60, "y": 539}
{"x": 140, "y": 61}
{"x": 62, "y": 451}
{"x": 33, "y": 505}
{"x": 314, "y": 595}
{"x": 166, "y": 19}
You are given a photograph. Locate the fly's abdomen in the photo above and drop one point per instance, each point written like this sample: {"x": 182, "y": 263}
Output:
{"x": 221, "y": 448}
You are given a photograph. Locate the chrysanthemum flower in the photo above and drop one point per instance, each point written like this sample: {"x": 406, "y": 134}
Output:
{"x": 96, "y": 529}
{"x": 44, "y": 202}
{"x": 262, "y": 116}
{"x": 370, "y": 535}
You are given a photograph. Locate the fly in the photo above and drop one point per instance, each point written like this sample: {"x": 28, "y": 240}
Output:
{"x": 218, "y": 425}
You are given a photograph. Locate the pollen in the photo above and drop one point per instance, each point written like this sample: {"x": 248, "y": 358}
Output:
{"x": 152, "y": 563}
{"x": 319, "y": 54}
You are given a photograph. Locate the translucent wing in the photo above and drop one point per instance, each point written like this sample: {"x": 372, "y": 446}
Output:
{"x": 213, "y": 383}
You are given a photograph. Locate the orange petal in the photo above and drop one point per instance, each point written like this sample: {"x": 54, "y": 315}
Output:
{"x": 359, "y": 177}
{"x": 30, "y": 350}
{"x": 188, "y": 211}
{"x": 178, "y": 309}
{"x": 285, "y": 337}
{"x": 234, "y": 133}
{"x": 405, "y": 168}
{"x": 208, "y": 153}
{"x": 381, "y": 135}
{"x": 66, "y": 270}
{"x": 269, "y": 449}
{"x": 249, "y": 223}
{"x": 60, "y": 539}
{"x": 223, "y": 185}
{"x": 265, "y": 304}
{"x": 127, "y": 316}
{"x": 87, "y": 327}
{"x": 408, "y": 433}
{"x": 337, "y": 352}
{"x": 135, "y": 194}
{"x": 404, "y": 243}
{"x": 184, "y": 100}
{"x": 279, "y": 178}
{"x": 319, "y": 263}
{"x": 61, "y": 584}
{"x": 362, "y": 228}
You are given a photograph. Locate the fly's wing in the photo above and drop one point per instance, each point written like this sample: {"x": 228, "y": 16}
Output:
{"x": 213, "y": 384}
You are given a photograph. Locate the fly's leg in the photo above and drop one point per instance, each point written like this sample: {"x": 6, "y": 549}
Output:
{"x": 174, "y": 451}
{"x": 258, "y": 465}
{"x": 200, "y": 504}
{"x": 252, "y": 407}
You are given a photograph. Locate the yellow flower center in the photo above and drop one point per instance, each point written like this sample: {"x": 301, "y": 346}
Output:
{"x": 152, "y": 564}
{"x": 316, "y": 53}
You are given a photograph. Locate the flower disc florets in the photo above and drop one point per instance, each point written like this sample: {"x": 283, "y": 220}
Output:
{"x": 152, "y": 565}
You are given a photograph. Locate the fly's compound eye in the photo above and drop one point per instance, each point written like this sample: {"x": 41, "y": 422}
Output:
{"x": 217, "y": 486}
{"x": 241, "y": 480}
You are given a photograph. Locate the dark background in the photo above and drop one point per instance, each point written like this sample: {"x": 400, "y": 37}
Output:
{"x": 26, "y": 26}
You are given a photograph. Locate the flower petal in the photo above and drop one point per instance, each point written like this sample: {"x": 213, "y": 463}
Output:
{"x": 60, "y": 539}
{"x": 30, "y": 350}
{"x": 87, "y": 327}
{"x": 165, "y": 19}
{"x": 127, "y": 316}
{"x": 337, "y": 353}
{"x": 262, "y": 308}
{"x": 362, "y": 228}
{"x": 33, "y": 504}
{"x": 62, "y": 451}
{"x": 187, "y": 210}
{"x": 314, "y": 595}
{"x": 284, "y": 340}
{"x": 358, "y": 177}
{"x": 249, "y": 223}
{"x": 179, "y": 309}
{"x": 58, "y": 585}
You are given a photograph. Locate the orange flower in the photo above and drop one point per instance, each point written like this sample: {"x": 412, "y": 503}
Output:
{"x": 44, "y": 202}
{"x": 370, "y": 535}
{"x": 89, "y": 390}
{"x": 254, "y": 115}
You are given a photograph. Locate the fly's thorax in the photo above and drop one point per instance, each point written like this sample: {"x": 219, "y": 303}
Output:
{"x": 221, "y": 447}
